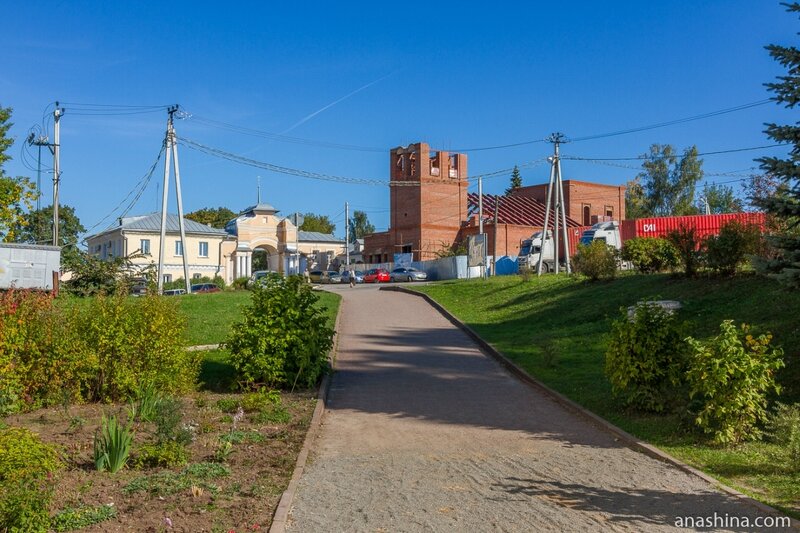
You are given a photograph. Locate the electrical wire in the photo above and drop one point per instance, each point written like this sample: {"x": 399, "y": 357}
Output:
{"x": 646, "y": 157}
{"x": 136, "y": 192}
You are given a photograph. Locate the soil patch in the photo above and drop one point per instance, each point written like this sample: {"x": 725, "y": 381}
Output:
{"x": 237, "y": 490}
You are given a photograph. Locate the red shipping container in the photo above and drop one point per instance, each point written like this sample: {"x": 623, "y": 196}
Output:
{"x": 704, "y": 225}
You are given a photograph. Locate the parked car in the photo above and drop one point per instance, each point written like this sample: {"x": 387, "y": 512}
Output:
{"x": 139, "y": 287}
{"x": 204, "y": 287}
{"x": 408, "y": 274}
{"x": 174, "y": 292}
{"x": 359, "y": 276}
{"x": 377, "y": 275}
{"x": 324, "y": 276}
{"x": 259, "y": 276}
{"x": 331, "y": 276}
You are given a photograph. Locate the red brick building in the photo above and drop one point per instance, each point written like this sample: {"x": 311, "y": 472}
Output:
{"x": 428, "y": 203}
{"x": 588, "y": 203}
{"x": 431, "y": 212}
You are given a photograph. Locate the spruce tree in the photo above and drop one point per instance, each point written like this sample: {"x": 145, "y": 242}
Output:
{"x": 516, "y": 181}
{"x": 784, "y": 264}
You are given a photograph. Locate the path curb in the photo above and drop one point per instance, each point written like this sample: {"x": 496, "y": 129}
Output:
{"x": 619, "y": 433}
{"x": 281, "y": 516}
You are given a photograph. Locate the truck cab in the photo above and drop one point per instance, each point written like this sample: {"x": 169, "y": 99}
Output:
{"x": 530, "y": 249}
{"x": 608, "y": 232}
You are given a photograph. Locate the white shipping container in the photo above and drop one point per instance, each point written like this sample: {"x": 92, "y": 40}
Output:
{"x": 28, "y": 266}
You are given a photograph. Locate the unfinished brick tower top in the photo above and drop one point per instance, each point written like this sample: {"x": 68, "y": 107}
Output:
{"x": 428, "y": 199}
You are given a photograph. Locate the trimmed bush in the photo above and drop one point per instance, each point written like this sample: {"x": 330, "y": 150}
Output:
{"x": 284, "y": 339}
{"x": 596, "y": 260}
{"x": 730, "y": 249}
{"x": 650, "y": 254}
{"x": 645, "y": 357}
{"x": 731, "y": 375}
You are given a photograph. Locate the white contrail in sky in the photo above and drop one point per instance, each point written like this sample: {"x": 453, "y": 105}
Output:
{"x": 345, "y": 97}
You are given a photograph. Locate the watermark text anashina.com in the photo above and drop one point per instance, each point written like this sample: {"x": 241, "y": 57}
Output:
{"x": 728, "y": 521}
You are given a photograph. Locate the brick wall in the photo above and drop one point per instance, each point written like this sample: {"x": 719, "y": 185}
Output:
{"x": 584, "y": 200}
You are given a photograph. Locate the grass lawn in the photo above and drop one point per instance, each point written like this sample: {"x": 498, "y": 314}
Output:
{"x": 519, "y": 318}
{"x": 212, "y": 315}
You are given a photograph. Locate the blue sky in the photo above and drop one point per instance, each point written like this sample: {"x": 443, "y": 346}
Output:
{"x": 457, "y": 75}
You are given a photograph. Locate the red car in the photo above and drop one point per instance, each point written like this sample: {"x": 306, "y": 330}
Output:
{"x": 377, "y": 275}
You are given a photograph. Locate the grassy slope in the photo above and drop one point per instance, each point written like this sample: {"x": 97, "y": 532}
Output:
{"x": 518, "y": 317}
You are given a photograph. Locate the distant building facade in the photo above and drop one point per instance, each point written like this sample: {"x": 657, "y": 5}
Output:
{"x": 227, "y": 253}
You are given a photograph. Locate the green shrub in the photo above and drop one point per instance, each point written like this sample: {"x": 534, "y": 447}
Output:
{"x": 284, "y": 339}
{"x": 136, "y": 340}
{"x": 645, "y": 357}
{"x": 167, "y": 454}
{"x": 262, "y": 400}
{"x": 26, "y": 480}
{"x": 730, "y": 249}
{"x": 167, "y": 419}
{"x": 112, "y": 445}
{"x": 73, "y": 518}
{"x": 783, "y": 428}
{"x": 596, "y": 260}
{"x": 146, "y": 403}
{"x": 731, "y": 375}
{"x": 650, "y": 254}
{"x": 690, "y": 249}
{"x": 240, "y": 283}
{"x": 228, "y": 405}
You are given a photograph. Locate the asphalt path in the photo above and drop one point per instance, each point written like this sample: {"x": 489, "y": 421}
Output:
{"x": 424, "y": 432}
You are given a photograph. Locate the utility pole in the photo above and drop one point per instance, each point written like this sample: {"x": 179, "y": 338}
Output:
{"x": 39, "y": 141}
{"x": 555, "y": 198}
{"x": 172, "y": 151}
{"x": 480, "y": 226}
{"x": 347, "y": 235}
{"x": 57, "y": 112}
{"x": 494, "y": 246}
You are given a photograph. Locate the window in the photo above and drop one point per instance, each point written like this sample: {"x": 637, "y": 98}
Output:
{"x": 587, "y": 215}
{"x": 406, "y": 249}
{"x": 203, "y": 249}
{"x": 167, "y": 278}
{"x": 610, "y": 211}
{"x": 144, "y": 246}
{"x": 196, "y": 275}
{"x": 178, "y": 248}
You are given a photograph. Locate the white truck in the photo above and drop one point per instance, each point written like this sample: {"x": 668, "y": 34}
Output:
{"x": 530, "y": 249}
{"x": 608, "y": 232}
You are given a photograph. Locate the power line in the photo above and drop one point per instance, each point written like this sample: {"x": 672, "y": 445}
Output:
{"x": 646, "y": 157}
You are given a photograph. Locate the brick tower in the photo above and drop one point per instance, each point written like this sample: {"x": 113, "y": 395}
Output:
{"x": 428, "y": 199}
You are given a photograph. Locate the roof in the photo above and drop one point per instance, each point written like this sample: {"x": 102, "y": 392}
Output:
{"x": 316, "y": 236}
{"x": 519, "y": 210}
{"x": 152, "y": 223}
{"x": 261, "y": 206}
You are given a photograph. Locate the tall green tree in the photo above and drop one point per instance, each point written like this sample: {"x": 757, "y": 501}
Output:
{"x": 516, "y": 181}
{"x": 720, "y": 198}
{"x": 214, "y": 217}
{"x": 360, "y": 225}
{"x": 636, "y": 200}
{"x": 669, "y": 180}
{"x": 320, "y": 223}
{"x": 785, "y": 205}
{"x": 16, "y": 194}
{"x": 36, "y": 227}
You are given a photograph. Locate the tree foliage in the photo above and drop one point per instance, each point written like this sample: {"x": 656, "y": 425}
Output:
{"x": 16, "y": 194}
{"x": 516, "y": 181}
{"x": 216, "y": 217}
{"x": 667, "y": 183}
{"x": 319, "y": 223}
{"x": 36, "y": 227}
{"x": 360, "y": 225}
{"x": 785, "y": 206}
{"x": 720, "y": 199}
